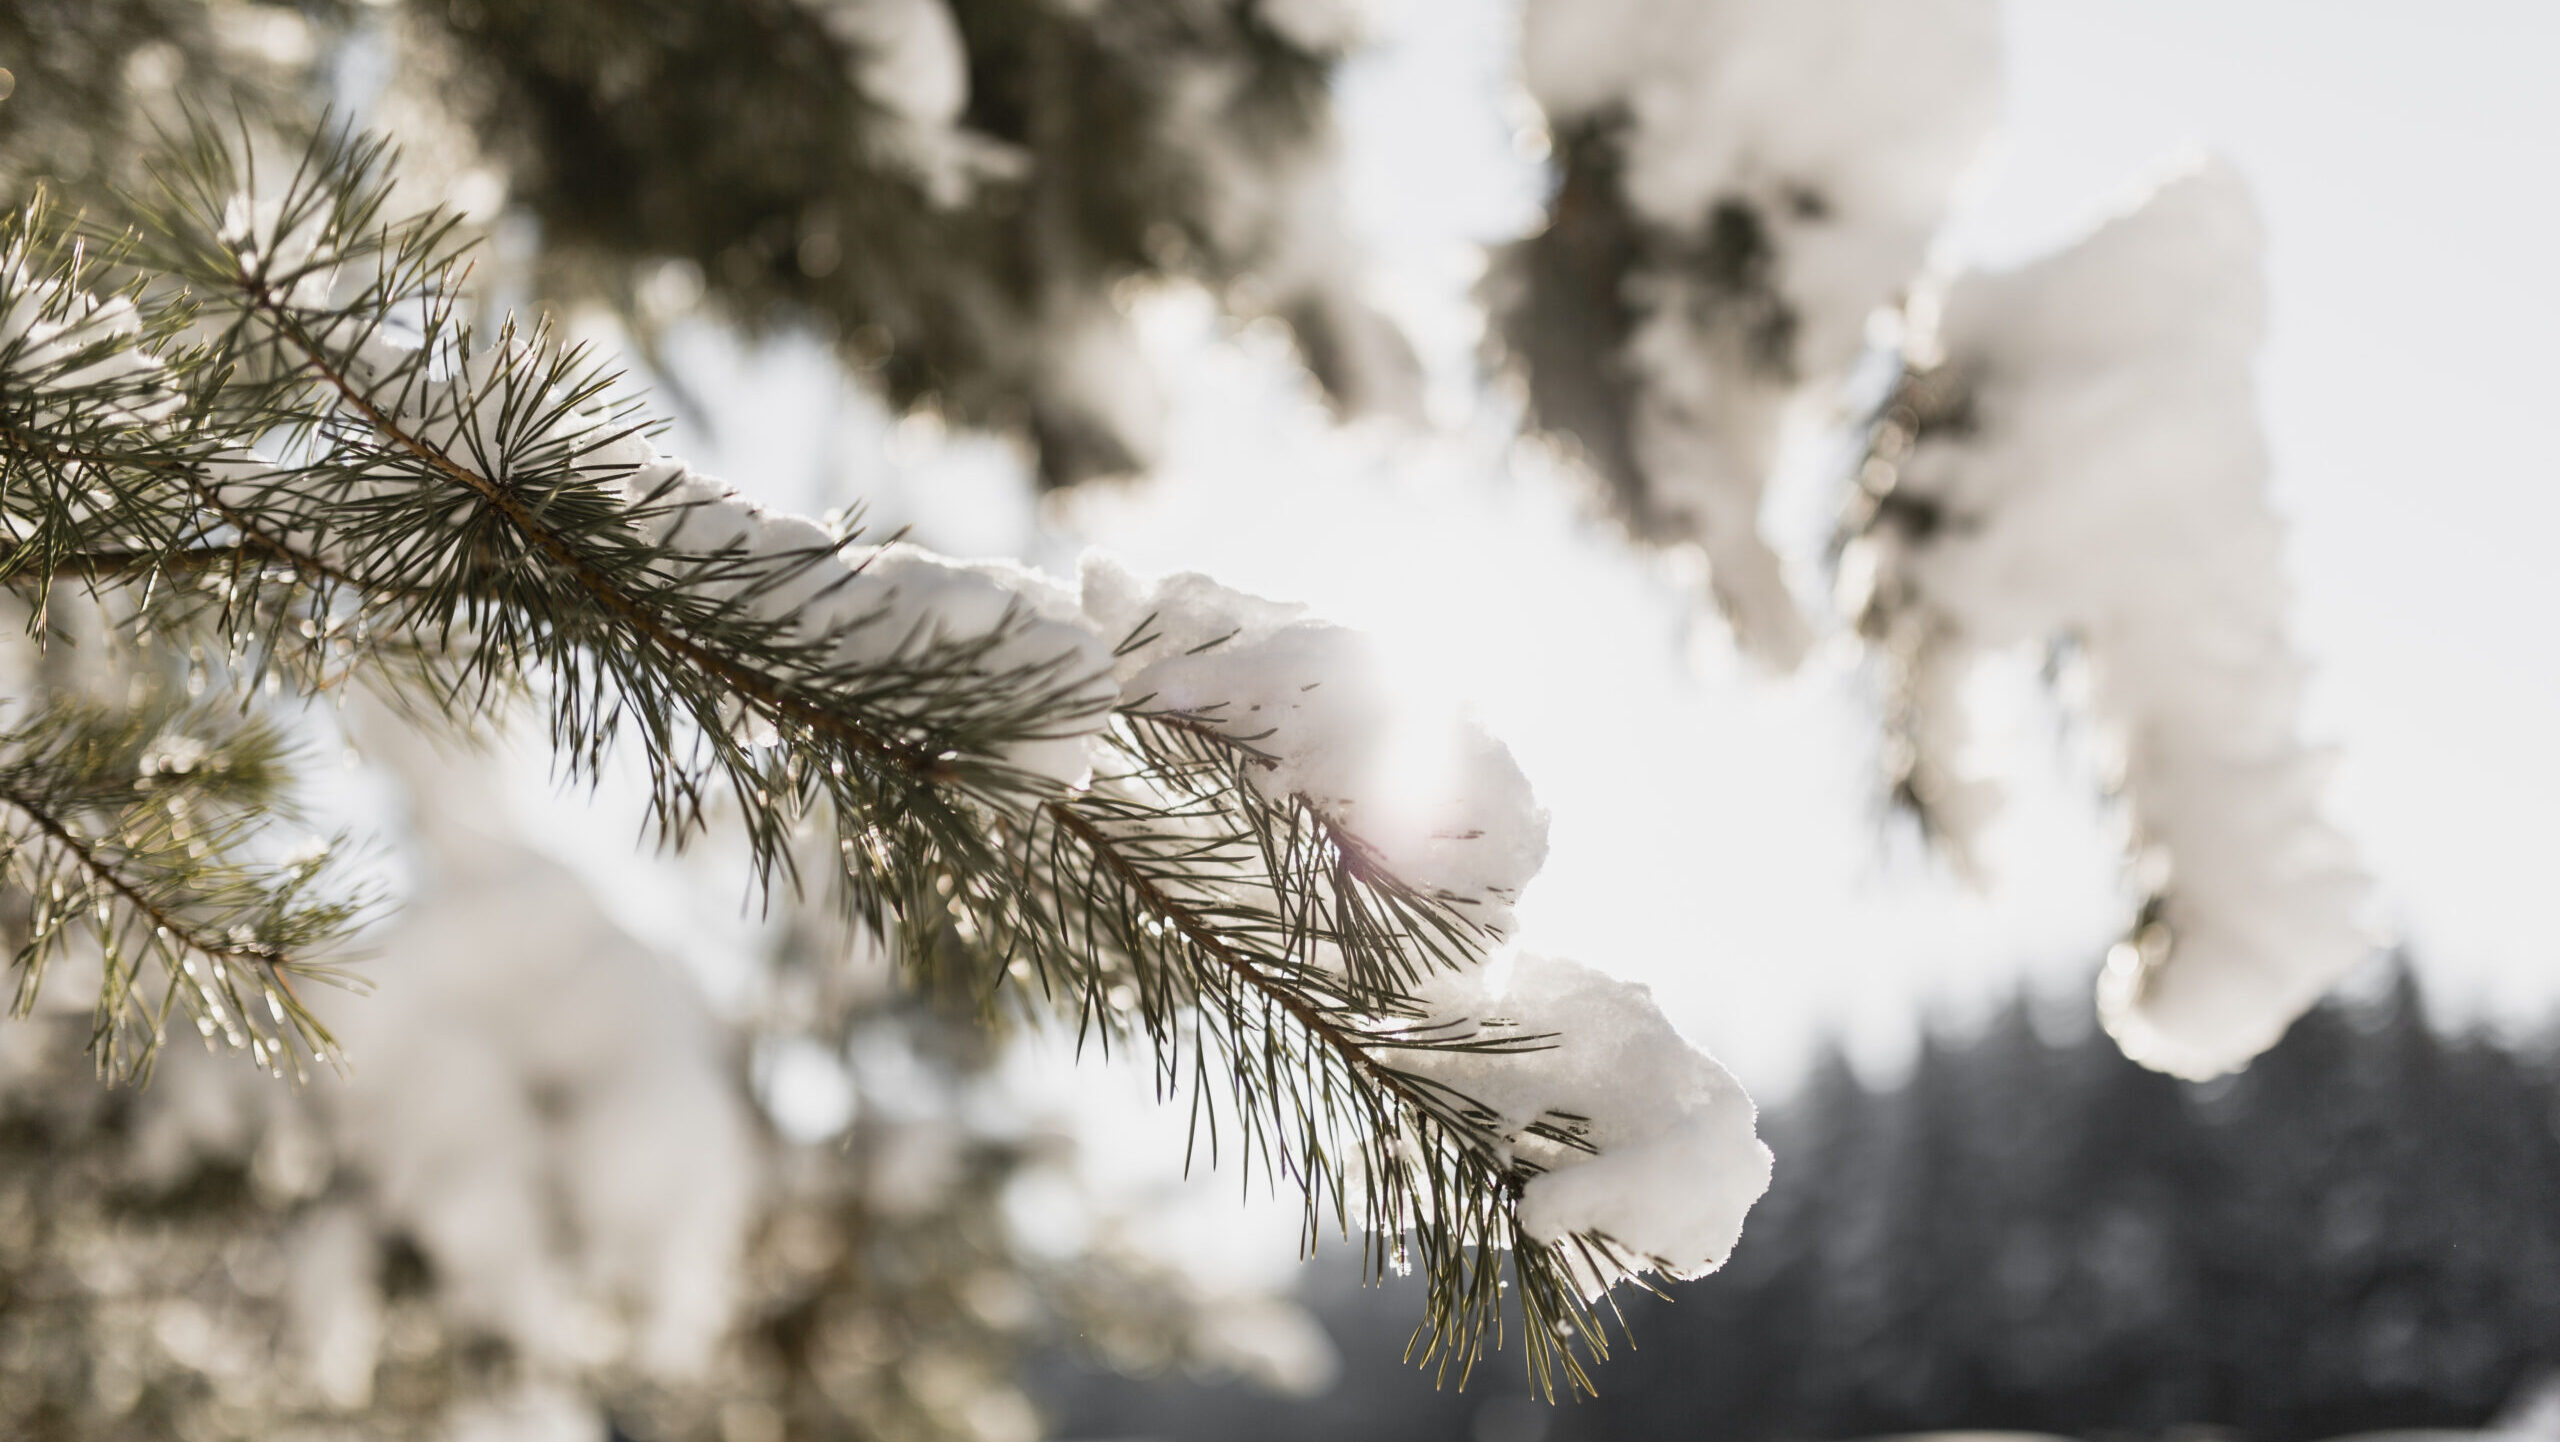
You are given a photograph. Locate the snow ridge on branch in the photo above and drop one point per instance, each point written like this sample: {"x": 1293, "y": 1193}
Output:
{"x": 2081, "y": 460}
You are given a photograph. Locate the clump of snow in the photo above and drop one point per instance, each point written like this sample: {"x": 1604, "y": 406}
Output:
{"x": 483, "y": 412}
{"x": 909, "y": 60}
{"x": 1097, "y": 406}
{"x": 1276, "y": 212}
{"x": 881, "y": 605}
{"x": 70, "y": 359}
{"x": 55, "y": 341}
{"x": 1305, "y": 693}
{"x": 532, "y": 1411}
{"x": 2098, "y": 474}
{"x": 1674, "y": 1158}
{"x": 1441, "y": 804}
{"x": 566, "y": 1059}
{"x": 282, "y": 255}
{"x": 908, "y": 55}
{"x": 1841, "y": 125}
{"x": 1787, "y": 162}
{"x": 473, "y": 411}
{"x": 1271, "y": 1342}
{"x": 1309, "y": 275}
{"x": 334, "y": 1303}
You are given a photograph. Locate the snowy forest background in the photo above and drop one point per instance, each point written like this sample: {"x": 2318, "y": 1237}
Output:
{"x": 2028, "y": 1233}
{"x": 1873, "y": 730}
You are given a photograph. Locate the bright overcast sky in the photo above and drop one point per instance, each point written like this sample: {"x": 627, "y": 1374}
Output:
{"x": 1714, "y": 830}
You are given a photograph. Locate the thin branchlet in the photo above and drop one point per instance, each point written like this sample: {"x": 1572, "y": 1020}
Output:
{"x": 128, "y": 837}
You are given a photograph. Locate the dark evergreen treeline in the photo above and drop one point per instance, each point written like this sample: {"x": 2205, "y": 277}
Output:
{"x": 2361, "y": 1231}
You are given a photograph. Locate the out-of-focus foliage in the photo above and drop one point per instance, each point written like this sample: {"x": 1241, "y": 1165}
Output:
{"x": 1743, "y": 183}
{"x": 91, "y": 80}
{"x": 218, "y": 1258}
{"x": 953, "y": 191}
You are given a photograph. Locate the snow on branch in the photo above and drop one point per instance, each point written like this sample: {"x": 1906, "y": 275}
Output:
{"x": 1625, "y": 1131}
{"x": 2080, "y": 460}
{"x": 1188, "y": 821}
{"x": 1745, "y": 182}
{"x": 1444, "y": 808}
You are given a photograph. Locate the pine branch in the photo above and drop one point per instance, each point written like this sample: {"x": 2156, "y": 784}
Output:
{"x": 1307, "y": 1052}
{"x": 132, "y": 565}
{"x": 641, "y": 620}
{"x": 133, "y": 838}
{"x": 489, "y": 515}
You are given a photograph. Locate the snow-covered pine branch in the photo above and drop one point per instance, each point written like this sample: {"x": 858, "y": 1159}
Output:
{"x": 2079, "y": 458}
{"x": 1166, "y": 812}
{"x": 1742, "y": 188}
{"x": 1745, "y": 182}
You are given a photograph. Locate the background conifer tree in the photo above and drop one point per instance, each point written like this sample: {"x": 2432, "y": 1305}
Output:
{"x": 2027, "y": 1232}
